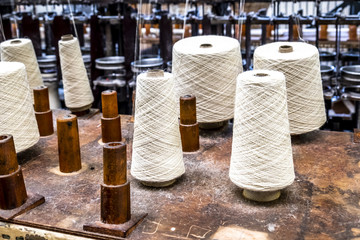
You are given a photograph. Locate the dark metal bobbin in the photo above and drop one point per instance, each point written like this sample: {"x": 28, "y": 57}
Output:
{"x": 213, "y": 125}
{"x": 43, "y": 114}
{"x": 81, "y": 111}
{"x": 189, "y": 127}
{"x": 68, "y": 143}
{"x": 67, "y": 37}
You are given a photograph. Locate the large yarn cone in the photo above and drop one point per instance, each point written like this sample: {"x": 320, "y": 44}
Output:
{"x": 22, "y": 50}
{"x": 207, "y": 67}
{"x": 17, "y": 115}
{"x": 261, "y": 157}
{"x": 301, "y": 65}
{"x": 157, "y": 153}
{"x": 77, "y": 91}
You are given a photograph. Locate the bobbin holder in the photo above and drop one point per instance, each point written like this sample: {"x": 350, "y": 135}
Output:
{"x": 115, "y": 216}
{"x": 110, "y": 120}
{"x": 189, "y": 127}
{"x": 43, "y": 114}
{"x": 68, "y": 143}
{"x": 14, "y": 199}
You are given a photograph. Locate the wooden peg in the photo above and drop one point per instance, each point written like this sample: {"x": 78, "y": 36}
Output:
{"x": 296, "y": 29}
{"x": 12, "y": 185}
{"x": 243, "y": 30}
{"x": 8, "y": 159}
{"x": 189, "y": 127}
{"x": 43, "y": 114}
{"x": 147, "y": 29}
{"x": 115, "y": 203}
{"x": 187, "y": 32}
{"x": 115, "y": 170}
{"x": 353, "y": 33}
{"x": 323, "y": 32}
{"x": 269, "y": 29}
{"x": 116, "y": 218}
{"x": 237, "y": 31}
{"x": 109, "y": 104}
{"x": 110, "y": 121}
{"x": 68, "y": 143}
{"x": 14, "y": 199}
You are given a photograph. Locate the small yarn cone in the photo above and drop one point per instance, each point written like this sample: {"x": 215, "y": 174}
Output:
{"x": 77, "y": 91}
{"x": 207, "y": 67}
{"x": 261, "y": 158}
{"x": 22, "y": 50}
{"x": 17, "y": 115}
{"x": 301, "y": 66}
{"x": 157, "y": 153}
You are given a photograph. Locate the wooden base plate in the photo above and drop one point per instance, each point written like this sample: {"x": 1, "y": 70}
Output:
{"x": 32, "y": 201}
{"x": 119, "y": 230}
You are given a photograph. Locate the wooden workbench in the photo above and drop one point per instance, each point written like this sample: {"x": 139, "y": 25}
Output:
{"x": 322, "y": 203}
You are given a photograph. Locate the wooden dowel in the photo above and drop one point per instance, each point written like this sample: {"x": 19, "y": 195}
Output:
{"x": 189, "y": 127}
{"x": 8, "y": 158}
{"x": 115, "y": 192}
{"x": 188, "y": 109}
{"x": 109, "y": 104}
{"x": 110, "y": 121}
{"x": 43, "y": 114}
{"x": 115, "y": 170}
{"x": 12, "y": 186}
{"x": 41, "y": 99}
{"x": 115, "y": 204}
{"x": 68, "y": 143}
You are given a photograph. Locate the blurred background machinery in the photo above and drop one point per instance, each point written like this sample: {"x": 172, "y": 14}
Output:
{"x": 120, "y": 39}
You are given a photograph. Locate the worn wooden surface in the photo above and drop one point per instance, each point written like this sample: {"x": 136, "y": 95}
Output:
{"x": 322, "y": 203}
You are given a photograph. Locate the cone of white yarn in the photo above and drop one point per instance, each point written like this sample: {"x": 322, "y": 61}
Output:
{"x": 17, "y": 115}
{"x": 261, "y": 158}
{"x": 207, "y": 67}
{"x": 22, "y": 50}
{"x": 301, "y": 65}
{"x": 157, "y": 155}
{"x": 77, "y": 91}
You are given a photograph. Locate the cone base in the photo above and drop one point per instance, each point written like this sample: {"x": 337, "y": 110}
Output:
{"x": 158, "y": 184}
{"x": 261, "y": 196}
